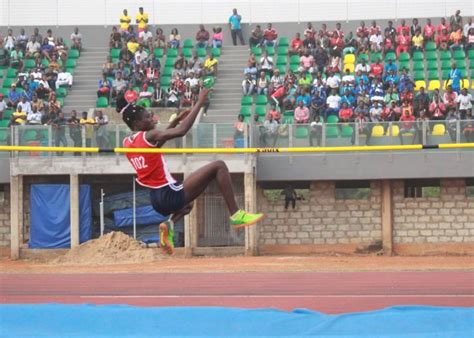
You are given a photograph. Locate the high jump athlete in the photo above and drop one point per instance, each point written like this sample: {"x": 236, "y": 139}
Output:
{"x": 168, "y": 196}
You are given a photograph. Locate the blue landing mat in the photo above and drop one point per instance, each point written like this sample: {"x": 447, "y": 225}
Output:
{"x": 54, "y": 320}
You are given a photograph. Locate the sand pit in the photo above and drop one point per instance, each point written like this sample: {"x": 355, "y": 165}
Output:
{"x": 112, "y": 248}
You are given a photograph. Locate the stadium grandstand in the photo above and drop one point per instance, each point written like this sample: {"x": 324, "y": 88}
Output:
{"x": 348, "y": 124}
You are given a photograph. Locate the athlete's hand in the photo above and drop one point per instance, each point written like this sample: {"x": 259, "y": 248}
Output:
{"x": 203, "y": 94}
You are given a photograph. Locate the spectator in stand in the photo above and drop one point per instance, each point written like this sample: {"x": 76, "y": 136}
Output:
{"x": 376, "y": 42}
{"x": 235, "y": 28}
{"x": 456, "y": 38}
{"x": 210, "y": 66}
{"x": 141, "y": 56}
{"x": 407, "y": 126}
{"x": 239, "y": 128}
{"x": 262, "y": 84}
{"x": 470, "y": 39}
{"x": 173, "y": 97}
{"x": 125, "y": 21}
{"x": 217, "y": 37}
{"x": 376, "y": 70}
{"x": 88, "y": 124}
{"x": 316, "y": 128}
{"x": 363, "y": 128}
{"x": 403, "y": 43}
{"x": 174, "y": 40}
{"x": 119, "y": 85}
{"x": 141, "y": 19}
{"x": 414, "y": 27}
{"x": 451, "y": 124}
{"x": 333, "y": 104}
{"x": 362, "y": 67}
{"x": 266, "y": 63}
{"x": 34, "y": 116}
{"x": 391, "y": 112}
{"x": 279, "y": 94}
{"x": 468, "y": 130}
{"x": 333, "y": 81}
{"x": 348, "y": 78}
{"x": 375, "y": 112}
{"x": 145, "y": 38}
{"x": 362, "y": 32}
{"x": 64, "y": 78}
{"x": 374, "y": 28}
{"x": 59, "y": 131}
{"x": 24, "y": 105}
{"x": 429, "y": 31}
{"x": 18, "y": 117}
{"x": 256, "y": 37}
{"x": 437, "y": 108}
{"x": 306, "y": 62}
{"x": 350, "y": 45}
{"x": 422, "y": 100}
{"x": 108, "y": 68}
{"x": 202, "y": 37}
{"x": 248, "y": 85}
{"x": 132, "y": 46}
{"x": 418, "y": 42}
{"x": 76, "y": 39}
{"x": 443, "y": 26}
{"x": 464, "y": 101}
{"x": 334, "y": 63}
{"x": 321, "y": 58}
{"x": 115, "y": 39}
{"x": 403, "y": 28}
{"x": 442, "y": 40}
{"x": 456, "y": 19}
{"x": 275, "y": 112}
{"x": 336, "y": 42}
{"x": 296, "y": 45}
{"x": 269, "y": 36}
{"x": 101, "y": 136}
{"x": 14, "y": 96}
{"x": 269, "y": 130}
{"x": 9, "y": 41}
{"x": 318, "y": 104}
{"x": 455, "y": 76}
{"x": 276, "y": 81}
{"x": 450, "y": 98}
{"x": 33, "y": 49}
{"x": 54, "y": 105}
{"x": 345, "y": 113}
{"x": 309, "y": 36}
{"x": 75, "y": 130}
{"x": 160, "y": 39}
{"x": 104, "y": 87}
{"x": 3, "y": 105}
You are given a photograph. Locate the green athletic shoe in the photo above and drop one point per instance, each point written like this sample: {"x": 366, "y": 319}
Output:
{"x": 244, "y": 219}
{"x": 167, "y": 237}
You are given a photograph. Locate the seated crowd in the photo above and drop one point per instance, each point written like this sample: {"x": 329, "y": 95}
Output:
{"x": 38, "y": 75}
{"x": 134, "y": 68}
{"x": 330, "y": 77}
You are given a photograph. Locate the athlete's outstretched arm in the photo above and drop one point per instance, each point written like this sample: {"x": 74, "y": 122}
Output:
{"x": 160, "y": 137}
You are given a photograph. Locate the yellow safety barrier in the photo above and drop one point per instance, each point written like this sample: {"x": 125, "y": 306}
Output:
{"x": 238, "y": 150}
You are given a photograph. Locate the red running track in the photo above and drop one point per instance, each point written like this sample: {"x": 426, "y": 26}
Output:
{"x": 326, "y": 292}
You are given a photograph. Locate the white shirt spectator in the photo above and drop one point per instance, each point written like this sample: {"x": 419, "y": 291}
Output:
{"x": 375, "y": 111}
{"x": 277, "y": 81}
{"x": 333, "y": 101}
{"x": 145, "y": 36}
{"x": 77, "y": 37}
{"x": 377, "y": 39}
{"x": 466, "y": 29}
{"x": 24, "y": 106}
{"x": 37, "y": 76}
{"x": 64, "y": 78}
{"x": 465, "y": 101}
{"x": 3, "y": 105}
{"x": 266, "y": 63}
{"x": 333, "y": 81}
{"x": 363, "y": 68}
{"x": 193, "y": 82}
{"x": 348, "y": 78}
{"x": 45, "y": 83}
{"x": 140, "y": 57}
{"x": 34, "y": 118}
{"x": 33, "y": 47}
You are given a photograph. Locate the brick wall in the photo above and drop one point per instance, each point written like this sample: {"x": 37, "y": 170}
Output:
{"x": 448, "y": 218}
{"x": 321, "y": 219}
{"x": 5, "y": 216}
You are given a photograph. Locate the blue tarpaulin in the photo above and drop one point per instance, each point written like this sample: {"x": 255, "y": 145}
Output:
{"x": 50, "y": 216}
{"x": 128, "y": 321}
{"x": 145, "y": 215}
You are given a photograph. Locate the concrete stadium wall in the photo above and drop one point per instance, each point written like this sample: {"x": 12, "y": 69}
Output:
{"x": 4, "y": 215}
{"x": 106, "y": 12}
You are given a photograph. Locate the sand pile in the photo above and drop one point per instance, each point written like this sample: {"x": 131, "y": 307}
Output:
{"x": 112, "y": 248}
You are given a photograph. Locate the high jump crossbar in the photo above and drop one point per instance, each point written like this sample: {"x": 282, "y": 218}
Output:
{"x": 236, "y": 150}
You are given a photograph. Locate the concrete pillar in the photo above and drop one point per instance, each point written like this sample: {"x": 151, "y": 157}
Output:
{"x": 191, "y": 227}
{"x": 387, "y": 218}
{"x": 16, "y": 215}
{"x": 74, "y": 209}
{"x": 250, "y": 193}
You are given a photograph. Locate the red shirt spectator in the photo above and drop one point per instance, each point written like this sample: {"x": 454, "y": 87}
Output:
{"x": 374, "y": 29}
{"x": 296, "y": 43}
{"x": 407, "y": 108}
{"x": 336, "y": 41}
{"x": 442, "y": 38}
{"x": 275, "y": 114}
{"x": 309, "y": 32}
{"x": 443, "y": 25}
{"x": 338, "y": 31}
{"x": 345, "y": 113}
{"x": 407, "y": 121}
{"x": 403, "y": 28}
{"x": 403, "y": 40}
{"x": 388, "y": 43}
{"x": 406, "y": 96}
{"x": 270, "y": 34}
{"x": 301, "y": 113}
{"x": 362, "y": 31}
{"x": 449, "y": 98}
{"x": 429, "y": 30}
{"x": 437, "y": 108}
{"x": 376, "y": 69}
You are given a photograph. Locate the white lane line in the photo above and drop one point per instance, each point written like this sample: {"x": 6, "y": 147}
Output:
{"x": 278, "y": 296}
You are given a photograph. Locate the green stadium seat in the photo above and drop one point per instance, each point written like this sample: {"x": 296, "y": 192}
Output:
{"x": 472, "y": 77}
{"x": 29, "y": 63}
{"x": 282, "y": 51}
{"x": 165, "y": 81}
{"x": 260, "y": 110}
{"x": 216, "y": 52}
{"x": 375, "y": 56}
{"x": 419, "y": 75}
{"x": 404, "y": 57}
{"x": 187, "y": 52}
{"x": 71, "y": 64}
{"x": 61, "y": 92}
{"x": 294, "y": 60}
{"x": 470, "y": 54}
{"x": 418, "y": 56}
{"x": 446, "y": 64}
{"x": 289, "y": 113}
{"x": 4, "y": 91}
{"x": 201, "y": 52}
{"x": 430, "y": 46}
{"x": 432, "y": 65}
{"x": 333, "y": 119}
{"x": 301, "y": 132}
{"x": 445, "y": 55}
{"x": 459, "y": 54}
{"x": 445, "y": 74}
{"x": 115, "y": 53}
{"x": 172, "y": 52}
{"x": 11, "y": 73}
{"x": 363, "y": 57}
{"x": 45, "y": 62}
{"x": 390, "y": 56}
{"x": 270, "y": 50}
{"x": 404, "y": 64}
{"x": 246, "y": 101}
{"x": 433, "y": 75}
{"x": 261, "y": 100}
{"x": 7, "y": 114}
{"x": 332, "y": 131}
{"x": 284, "y": 42}
{"x": 347, "y": 131}
{"x": 167, "y": 71}
{"x": 102, "y": 102}
{"x": 431, "y": 55}
{"x": 3, "y": 136}
{"x": 461, "y": 64}
{"x": 4, "y": 123}
{"x": 246, "y": 111}
{"x": 281, "y": 60}
{"x": 158, "y": 52}
{"x": 288, "y": 120}
{"x": 188, "y": 43}
{"x": 7, "y": 83}
{"x": 73, "y": 54}
{"x": 282, "y": 69}
{"x": 170, "y": 62}
{"x": 418, "y": 65}
{"x": 257, "y": 51}
{"x": 294, "y": 67}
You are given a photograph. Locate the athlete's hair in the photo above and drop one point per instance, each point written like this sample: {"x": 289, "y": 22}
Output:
{"x": 130, "y": 112}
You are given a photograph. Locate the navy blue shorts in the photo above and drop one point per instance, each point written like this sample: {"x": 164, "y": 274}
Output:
{"x": 168, "y": 199}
